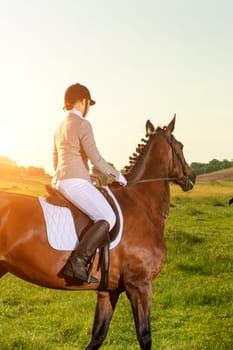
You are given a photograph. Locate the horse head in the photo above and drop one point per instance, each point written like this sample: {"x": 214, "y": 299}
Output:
{"x": 177, "y": 168}
{"x": 159, "y": 158}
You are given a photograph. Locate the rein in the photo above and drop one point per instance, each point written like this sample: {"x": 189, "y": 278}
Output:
{"x": 162, "y": 179}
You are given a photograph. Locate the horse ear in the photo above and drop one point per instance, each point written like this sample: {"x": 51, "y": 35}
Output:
{"x": 171, "y": 126}
{"x": 150, "y": 129}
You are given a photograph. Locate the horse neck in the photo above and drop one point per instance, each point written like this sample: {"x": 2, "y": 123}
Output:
{"x": 150, "y": 161}
{"x": 156, "y": 167}
{"x": 156, "y": 191}
{"x": 156, "y": 195}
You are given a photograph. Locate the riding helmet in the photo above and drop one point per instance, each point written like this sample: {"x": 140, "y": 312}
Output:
{"x": 74, "y": 93}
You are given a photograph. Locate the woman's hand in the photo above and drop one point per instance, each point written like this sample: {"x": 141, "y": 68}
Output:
{"x": 121, "y": 179}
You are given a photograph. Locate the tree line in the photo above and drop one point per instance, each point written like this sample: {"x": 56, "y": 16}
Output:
{"x": 213, "y": 165}
{"x": 9, "y": 167}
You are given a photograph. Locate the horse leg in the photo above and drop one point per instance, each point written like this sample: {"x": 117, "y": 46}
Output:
{"x": 105, "y": 306}
{"x": 140, "y": 299}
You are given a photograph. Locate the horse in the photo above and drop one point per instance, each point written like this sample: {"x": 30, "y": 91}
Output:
{"x": 134, "y": 262}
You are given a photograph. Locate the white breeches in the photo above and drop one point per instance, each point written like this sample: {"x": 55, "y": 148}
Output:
{"x": 88, "y": 199}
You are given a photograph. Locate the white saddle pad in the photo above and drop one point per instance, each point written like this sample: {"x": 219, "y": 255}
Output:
{"x": 61, "y": 229}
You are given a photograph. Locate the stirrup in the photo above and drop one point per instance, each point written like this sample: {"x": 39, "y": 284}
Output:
{"x": 89, "y": 278}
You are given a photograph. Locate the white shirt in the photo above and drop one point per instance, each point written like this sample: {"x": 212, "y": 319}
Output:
{"x": 76, "y": 112}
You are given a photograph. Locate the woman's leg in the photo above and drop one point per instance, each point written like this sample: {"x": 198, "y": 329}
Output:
{"x": 86, "y": 197}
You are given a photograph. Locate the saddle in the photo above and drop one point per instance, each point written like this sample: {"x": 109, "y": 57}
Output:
{"x": 82, "y": 222}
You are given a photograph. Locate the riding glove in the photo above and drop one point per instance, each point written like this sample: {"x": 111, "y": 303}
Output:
{"x": 122, "y": 180}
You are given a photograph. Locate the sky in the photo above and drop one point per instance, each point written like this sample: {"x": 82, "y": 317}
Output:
{"x": 140, "y": 60}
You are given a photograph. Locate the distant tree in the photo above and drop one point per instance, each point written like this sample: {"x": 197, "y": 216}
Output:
{"x": 197, "y": 167}
{"x": 227, "y": 164}
{"x": 34, "y": 171}
{"x": 5, "y": 160}
{"x": 9, "y": 167}
{"x": 213, "y": 165}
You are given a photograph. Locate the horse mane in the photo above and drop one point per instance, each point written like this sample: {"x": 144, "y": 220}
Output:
{"x": 138, "y": 160}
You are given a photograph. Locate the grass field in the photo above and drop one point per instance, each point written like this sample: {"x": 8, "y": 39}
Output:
{"x": 192, "y": 298}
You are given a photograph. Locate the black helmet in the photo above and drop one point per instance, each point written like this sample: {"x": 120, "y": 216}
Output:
{"x": 74, "y": 93}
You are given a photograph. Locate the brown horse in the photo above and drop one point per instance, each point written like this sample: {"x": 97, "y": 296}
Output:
{"x": 138, "y": 258}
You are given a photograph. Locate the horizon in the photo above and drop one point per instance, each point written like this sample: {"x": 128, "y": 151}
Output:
{"x": 14, "y": 162}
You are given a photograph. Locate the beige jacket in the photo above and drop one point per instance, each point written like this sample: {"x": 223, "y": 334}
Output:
{"x": 74, "y": 145}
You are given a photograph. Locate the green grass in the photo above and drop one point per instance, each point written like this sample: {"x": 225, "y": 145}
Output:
{"x": 195, "y": 287}
{"x": 192, "y": 298}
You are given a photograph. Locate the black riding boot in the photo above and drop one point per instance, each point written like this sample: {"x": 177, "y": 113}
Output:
{"x": 96, "y": 237}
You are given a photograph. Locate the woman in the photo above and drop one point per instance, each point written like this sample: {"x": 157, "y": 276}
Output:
{"x": 74, "y": 145}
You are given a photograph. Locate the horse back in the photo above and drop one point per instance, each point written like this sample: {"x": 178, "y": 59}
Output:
{"x": 18, "y": 214}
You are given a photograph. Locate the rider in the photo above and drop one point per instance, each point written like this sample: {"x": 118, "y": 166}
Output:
{"x": 74, "y": 145}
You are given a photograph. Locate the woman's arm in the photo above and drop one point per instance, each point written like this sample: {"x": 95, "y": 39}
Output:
{"x": 92, "y": 152}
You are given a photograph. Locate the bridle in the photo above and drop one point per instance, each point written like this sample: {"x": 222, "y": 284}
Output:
{"x": 171, "y": 142}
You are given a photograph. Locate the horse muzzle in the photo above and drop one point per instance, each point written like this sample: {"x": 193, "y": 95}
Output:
{"x": 187, "y": 182}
